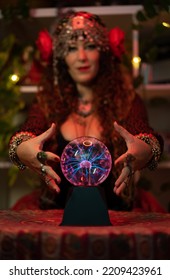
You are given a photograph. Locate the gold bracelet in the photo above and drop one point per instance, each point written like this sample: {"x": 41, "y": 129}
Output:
{"x": 16, "y": 140}
{"x": 155, "y": 146}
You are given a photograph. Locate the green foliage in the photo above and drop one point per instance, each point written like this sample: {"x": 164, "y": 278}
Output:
{"x": 149, "y": 24}
{"x": 18, "y": 10}
{"x": 12, "y": 104}
{"x": 29, "y": 177}
{"x": 12, "y": 175}
{"x": 151, "y": 10}
{"x": 10, "y": 96}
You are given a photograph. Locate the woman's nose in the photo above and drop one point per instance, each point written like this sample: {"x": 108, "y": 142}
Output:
{"x": 82, "y": 54}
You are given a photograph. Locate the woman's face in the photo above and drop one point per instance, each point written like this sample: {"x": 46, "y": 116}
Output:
{"x": 82, "y": 61}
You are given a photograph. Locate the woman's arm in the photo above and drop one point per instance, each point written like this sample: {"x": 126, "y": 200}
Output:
{"x": 144, "y": 145}
{"x": 28, "y": 142}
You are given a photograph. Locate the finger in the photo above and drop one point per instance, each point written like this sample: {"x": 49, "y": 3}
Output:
{"x": 52, "y": 157}
{"x": 123, "y": 132}
{"x": 120, "y": 159}
{"x": 127, "y": 159}
{"x": 42, "y": 157}
{"x": 122, "y": 186}
{"x": 51, "y": 183}
{"x": 123, "y": 176}
{"x": 47, "y": 180}
{"x": 52, "y": 174}
{"x": 47, "y": 171}
{"x": 46, "y": 135}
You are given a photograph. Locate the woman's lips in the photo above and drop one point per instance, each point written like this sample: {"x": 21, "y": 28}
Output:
{"x": 84, "y": 68}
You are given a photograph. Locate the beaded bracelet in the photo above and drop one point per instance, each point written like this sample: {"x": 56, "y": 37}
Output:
{"x": 155, "y": 146}
{"x": 16, "y": 140}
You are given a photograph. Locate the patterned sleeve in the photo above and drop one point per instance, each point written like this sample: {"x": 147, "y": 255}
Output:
{"x": 137, "y": 121}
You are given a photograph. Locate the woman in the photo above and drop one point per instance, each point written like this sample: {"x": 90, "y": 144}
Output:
{"x": 93, "y": 96}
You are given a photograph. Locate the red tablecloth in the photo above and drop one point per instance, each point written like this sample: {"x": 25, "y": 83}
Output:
{"x": 37, "y": 235}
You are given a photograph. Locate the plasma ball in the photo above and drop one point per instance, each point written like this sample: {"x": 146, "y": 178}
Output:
{"x": 86, "y": 161}
{"x": 85, "y": 164}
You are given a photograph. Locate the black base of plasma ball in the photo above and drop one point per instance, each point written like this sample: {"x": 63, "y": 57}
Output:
{"x": 86, "y": 206}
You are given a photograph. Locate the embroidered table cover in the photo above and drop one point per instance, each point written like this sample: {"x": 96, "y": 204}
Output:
{"x": 38, "y": 235}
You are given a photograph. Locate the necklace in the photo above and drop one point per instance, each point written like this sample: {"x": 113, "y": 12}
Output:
{"x": 82, "y": 124}
{"x": 80, "y": 119}
{"x": 85, "y": 108}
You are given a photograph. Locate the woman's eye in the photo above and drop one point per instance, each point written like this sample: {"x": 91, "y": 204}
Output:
{"x": 72, "y": 48}
{"x": 91, "y": 46}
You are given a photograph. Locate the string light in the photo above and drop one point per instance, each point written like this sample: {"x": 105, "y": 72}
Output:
{"x": 166, "y": 24}
{"x": 136, "y": 61}
{"x": 14, "y": 78}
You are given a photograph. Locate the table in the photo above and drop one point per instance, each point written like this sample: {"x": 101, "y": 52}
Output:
{"x": 37, "y": 235}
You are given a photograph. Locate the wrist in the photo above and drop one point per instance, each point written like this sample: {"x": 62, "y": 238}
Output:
{"x": 15, "y": 141}
{"x": 151, "y": 140}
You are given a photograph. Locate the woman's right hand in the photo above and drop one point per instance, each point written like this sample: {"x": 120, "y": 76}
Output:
{"x": 27, "y": 153}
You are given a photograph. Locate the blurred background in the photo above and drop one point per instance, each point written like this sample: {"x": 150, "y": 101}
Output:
{"x": 147, "y": 39}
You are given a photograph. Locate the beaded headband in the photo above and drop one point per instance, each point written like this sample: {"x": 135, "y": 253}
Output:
{"x": 79, "y": 26}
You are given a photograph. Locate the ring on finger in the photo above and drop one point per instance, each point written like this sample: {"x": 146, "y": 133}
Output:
{"x": 42, "y": 157}
{"x": 47, "y": 180}
{"x": 43, "y": 170}
{"x": 131, "y": 172}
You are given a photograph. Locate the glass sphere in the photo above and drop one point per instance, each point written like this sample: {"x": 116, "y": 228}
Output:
{"x": 86, "y": 161}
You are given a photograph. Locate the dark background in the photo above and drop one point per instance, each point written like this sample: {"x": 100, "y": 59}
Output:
{"x": 55, "y": 3}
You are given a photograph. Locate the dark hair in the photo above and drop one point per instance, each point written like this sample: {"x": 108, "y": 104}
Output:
{"x": 112, "y": 87}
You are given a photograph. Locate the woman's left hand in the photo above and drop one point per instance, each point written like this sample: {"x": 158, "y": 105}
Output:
{"x": 136, "y": 157}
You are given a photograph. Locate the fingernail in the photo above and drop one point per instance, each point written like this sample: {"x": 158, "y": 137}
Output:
{"x": 58, "y": 181}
